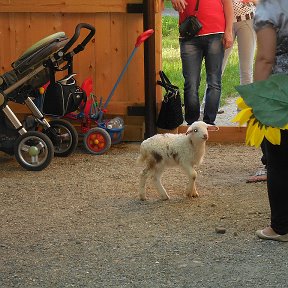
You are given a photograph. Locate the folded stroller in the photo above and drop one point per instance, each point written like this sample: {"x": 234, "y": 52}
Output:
{"x": 35, "y": 140}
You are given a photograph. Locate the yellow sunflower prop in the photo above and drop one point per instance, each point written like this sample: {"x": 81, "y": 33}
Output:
{"x": 264, "y": 107}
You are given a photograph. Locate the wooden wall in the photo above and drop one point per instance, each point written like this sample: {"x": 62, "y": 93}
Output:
{"x": 23, "y": 23}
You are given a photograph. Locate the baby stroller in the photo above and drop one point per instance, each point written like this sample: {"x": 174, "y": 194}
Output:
{"x": 35, "y": 140}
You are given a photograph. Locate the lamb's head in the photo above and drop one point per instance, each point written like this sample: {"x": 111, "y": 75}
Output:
{"x": 198, "y": 131}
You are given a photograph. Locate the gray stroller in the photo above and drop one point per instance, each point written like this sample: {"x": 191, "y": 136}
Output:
{"x": 35, "y": 140}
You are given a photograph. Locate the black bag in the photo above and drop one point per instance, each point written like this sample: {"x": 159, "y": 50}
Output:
{"x": 189, "y": 27}
{"x": 62, "y": 97}
{"x": 170, "y": 115}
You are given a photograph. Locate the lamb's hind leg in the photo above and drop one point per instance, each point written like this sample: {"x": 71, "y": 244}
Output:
{"x": 143, "y": 178}
{"x": 158, "y": 184}
{"x": 191, "y": 187}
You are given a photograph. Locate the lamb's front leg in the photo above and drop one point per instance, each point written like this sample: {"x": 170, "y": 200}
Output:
{"x": 158, "y": 184}
{"x": 191, "y": 187}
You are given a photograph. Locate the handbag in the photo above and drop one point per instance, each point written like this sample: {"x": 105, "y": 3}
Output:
{"x": 62, "y": 97}
{"x": 170, "y": 115}
{"x": 190, "y": 26}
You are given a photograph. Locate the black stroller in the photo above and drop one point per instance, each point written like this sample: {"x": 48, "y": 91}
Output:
{"x": 35, "y": 140}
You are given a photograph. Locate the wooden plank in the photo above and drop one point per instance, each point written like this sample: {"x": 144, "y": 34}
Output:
{"x": 103, "y": 62}
{"x": 150, "y": 70}
{"x": 133, "y": 133}
{"x": 118, "y": 54}
{"x": 224, "y": 134}
{"x": 135, "y": 71}
{"x": 158, "y": 58}
{"x": 68, "y": 6}
{"x": 135, "y": 127}
{"x": 7, "y": 39}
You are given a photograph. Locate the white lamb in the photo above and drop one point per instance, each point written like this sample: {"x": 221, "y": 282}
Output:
{"x": 163, "y": 150}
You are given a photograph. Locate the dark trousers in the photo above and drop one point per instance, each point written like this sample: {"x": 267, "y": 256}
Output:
{"x": 263, "y": 158}
{"x": 277, "y": 182}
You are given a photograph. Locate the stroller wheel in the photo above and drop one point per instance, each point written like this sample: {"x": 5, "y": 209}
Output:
{"x": 64, "y": 137}
{"x": 34, "y": 151}
{"x": 97, "y": 141}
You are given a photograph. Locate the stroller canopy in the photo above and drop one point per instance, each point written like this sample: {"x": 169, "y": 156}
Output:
{"x": 30, "y": 60}
{"x": 40, "y": 51}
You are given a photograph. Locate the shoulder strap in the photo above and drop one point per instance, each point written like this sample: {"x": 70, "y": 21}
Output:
{"x": 164, "y": 78}
{"x": 197, "y": 5}
{"x": 166, "y": 83}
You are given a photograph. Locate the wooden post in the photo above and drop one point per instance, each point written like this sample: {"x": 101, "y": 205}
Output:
{"x": 149, "y": 70}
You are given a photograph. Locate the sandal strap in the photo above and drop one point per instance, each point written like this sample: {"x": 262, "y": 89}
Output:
{"x": 261, "y": 172}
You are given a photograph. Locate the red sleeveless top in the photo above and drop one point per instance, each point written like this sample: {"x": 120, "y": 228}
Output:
{"x": 210, "y": 13}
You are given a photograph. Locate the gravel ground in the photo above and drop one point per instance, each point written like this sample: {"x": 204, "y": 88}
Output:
{"x": 79, "y": 223}
{"x": 230, "y": 111}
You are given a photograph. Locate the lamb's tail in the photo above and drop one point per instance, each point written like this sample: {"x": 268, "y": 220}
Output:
{"x": 142, "y": 157}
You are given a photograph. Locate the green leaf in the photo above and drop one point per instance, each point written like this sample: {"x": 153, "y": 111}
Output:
{"x": 268, "y": 99}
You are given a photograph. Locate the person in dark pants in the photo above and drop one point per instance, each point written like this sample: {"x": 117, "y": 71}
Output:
{"x": 277, "y": 184}
{"x": 271, "y": 26}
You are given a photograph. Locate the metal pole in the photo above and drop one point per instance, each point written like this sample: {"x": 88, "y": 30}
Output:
{"x": 150, "y": 70}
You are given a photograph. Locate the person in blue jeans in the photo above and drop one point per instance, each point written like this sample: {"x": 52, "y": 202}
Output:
{"x": 216, "y": 17}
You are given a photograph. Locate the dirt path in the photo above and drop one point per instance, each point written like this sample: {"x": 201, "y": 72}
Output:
{"x": 79, "y": 223}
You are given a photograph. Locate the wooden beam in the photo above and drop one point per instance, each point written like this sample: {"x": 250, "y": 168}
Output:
{"x": 135, "y": 8}
{"x": 225, "y": 134}
{"x": 149, "y": 68}
{"x": 71, "y": 6}
{"x": 135, "y": 128}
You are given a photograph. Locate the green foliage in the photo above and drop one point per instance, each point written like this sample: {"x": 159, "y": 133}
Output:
{"x": 268, "y": 99}
{"x": 172, "y": 62}
{"x": 168, "y": 4}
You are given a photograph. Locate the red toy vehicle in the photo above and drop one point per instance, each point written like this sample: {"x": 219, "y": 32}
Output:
{"x": 99, "y": 134}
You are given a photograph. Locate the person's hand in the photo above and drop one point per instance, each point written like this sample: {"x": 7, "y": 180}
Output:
{"x": 227, "y": 40}
{"x": 179, "y": 5}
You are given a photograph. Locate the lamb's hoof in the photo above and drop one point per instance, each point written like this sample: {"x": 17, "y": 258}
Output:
{"x": 192, "y": 194}
{"x": 165, "y": 198}
{"x": 143, "y": 198}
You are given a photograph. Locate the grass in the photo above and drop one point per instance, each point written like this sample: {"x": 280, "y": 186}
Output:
{"x": 168, "y": 4}
{"x": 172, "y": 62}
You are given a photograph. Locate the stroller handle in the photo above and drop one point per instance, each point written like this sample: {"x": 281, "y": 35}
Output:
{"x": 76, "y": 35}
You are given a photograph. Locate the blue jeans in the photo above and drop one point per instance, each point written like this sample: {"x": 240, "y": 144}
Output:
{"x": 210, "y": 48}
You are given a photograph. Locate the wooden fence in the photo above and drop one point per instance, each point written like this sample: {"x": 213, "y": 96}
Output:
{"x": 23, "y": 23}
{"x": 118, "y": 23}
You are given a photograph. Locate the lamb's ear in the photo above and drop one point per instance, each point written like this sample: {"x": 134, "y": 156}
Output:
{"x": 212, "y": 128}
{"x": 189, "y": 130}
